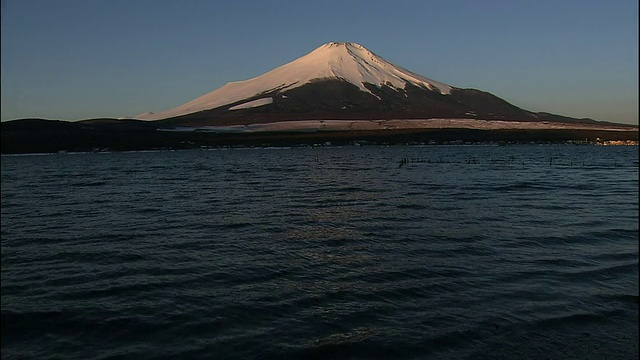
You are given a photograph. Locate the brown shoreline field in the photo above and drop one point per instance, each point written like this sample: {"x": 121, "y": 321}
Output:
{"x": 423, "y": 136}
{"x": 406, "y": 124}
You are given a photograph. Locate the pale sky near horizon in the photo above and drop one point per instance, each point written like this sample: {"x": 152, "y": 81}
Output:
{"x": 79, "y": 59}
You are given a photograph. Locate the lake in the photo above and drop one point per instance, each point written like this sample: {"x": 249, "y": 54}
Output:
{"x": 445, "y": 252}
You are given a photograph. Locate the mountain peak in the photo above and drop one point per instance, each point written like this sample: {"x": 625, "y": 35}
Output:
{"x": 337, "y": 49}
{"x": 345, "y": 61}
{"x": 345, "y": 44}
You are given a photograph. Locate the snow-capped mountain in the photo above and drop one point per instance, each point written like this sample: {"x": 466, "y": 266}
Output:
{"x": 340, "y": 80}
{"x": 348, "y": 62}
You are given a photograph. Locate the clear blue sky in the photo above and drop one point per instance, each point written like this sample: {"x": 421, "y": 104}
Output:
{"x": 78, "y": 59}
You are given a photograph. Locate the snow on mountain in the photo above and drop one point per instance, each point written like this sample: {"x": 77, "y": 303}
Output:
{"x": 335, "y": 60}
{"x": 253, "y": 103}
{"x": 145, "y": 115}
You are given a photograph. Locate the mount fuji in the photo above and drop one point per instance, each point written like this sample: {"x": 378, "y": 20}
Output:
{"x": 339, "y": 92}
{"x": 342, "y": 81}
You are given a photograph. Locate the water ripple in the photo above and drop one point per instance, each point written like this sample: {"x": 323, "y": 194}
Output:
{"x": 465, "y": 252}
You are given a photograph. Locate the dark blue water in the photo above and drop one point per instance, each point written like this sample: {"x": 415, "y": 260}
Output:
{"x": 461, "y": 252}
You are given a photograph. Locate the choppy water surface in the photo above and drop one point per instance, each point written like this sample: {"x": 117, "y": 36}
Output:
{"x": 460, "y": 252}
